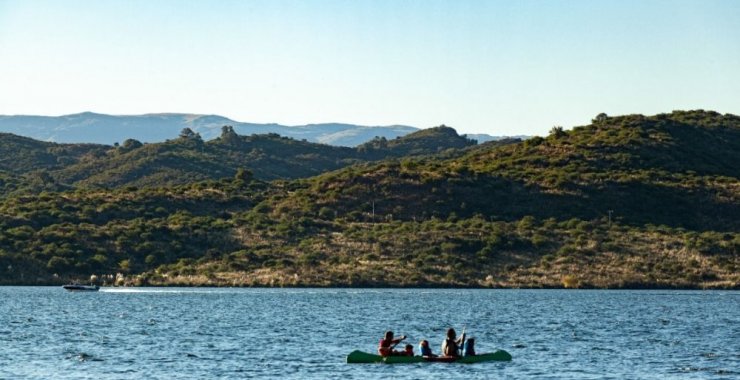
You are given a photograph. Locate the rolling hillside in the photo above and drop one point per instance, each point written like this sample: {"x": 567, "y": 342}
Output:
{"x": 675, "y": 169}
{"x": 189, "y": 158}
{"x": 527, "y": 214}
{"x": 22, "y": 154}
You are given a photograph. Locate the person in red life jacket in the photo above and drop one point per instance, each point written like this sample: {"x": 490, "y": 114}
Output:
{"x": 451, "y": 345}
{"x": 409, "y": 351}
{"x": 385, "y": 348}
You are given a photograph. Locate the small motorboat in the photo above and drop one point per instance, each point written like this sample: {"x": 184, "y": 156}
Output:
{"x": 81, "y": 288}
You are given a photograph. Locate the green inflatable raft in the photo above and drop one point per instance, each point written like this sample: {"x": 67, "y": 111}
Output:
{"x": 364, "y": 357}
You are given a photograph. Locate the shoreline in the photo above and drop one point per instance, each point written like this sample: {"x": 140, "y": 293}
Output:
{"x": 392, "y": 287}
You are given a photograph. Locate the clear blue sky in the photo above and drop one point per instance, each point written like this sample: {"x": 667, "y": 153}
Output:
{"x": 497, "y": 67}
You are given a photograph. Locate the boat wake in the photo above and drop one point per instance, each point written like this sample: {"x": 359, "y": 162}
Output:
{"x": 159, "y": 291}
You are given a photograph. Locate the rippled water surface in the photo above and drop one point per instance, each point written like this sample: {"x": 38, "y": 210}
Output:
{"x": 306, "y": 333}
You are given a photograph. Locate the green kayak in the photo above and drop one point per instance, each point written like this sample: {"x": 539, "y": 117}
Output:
{"x": 364, "y": 357}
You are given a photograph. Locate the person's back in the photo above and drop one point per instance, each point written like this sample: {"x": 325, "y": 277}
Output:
{"x": 469, "y": 347}
{"x": 450, "y": 345}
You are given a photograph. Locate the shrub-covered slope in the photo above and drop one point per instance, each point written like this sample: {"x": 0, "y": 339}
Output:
{"x": 657, "y": 170}
{"x": 533, "y": 214}
{"x": 22, "y": 155}
{"x": 188, "y": 158}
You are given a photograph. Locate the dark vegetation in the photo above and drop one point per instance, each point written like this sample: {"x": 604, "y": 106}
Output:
{"x": 188, "y": 158}
{"x": 629, "y": 201}
{"x": 676, "y": 170}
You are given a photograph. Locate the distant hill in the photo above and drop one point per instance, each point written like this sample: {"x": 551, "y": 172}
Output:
{"x": 188, "y": 158}
{"x": 23, "y": 154}
{"x": 482, "y": 137}
{"x": 424, "y": 142}
{"x": 97, "y": 128}
{"x": 89, "y": 127}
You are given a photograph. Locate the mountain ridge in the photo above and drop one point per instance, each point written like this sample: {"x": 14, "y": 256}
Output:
{"x": 189, "y": 158}
{"x": 98, "y": 128}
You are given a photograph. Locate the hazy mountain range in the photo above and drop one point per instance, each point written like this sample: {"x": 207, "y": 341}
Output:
{"x": 88, "y": 127}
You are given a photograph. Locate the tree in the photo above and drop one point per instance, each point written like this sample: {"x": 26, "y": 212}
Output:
{"x": 187, "y": 133}
{"x": 125, "y": 265}
{"x": 131, "y": 144}
{"x": 600, "y": 118}
{"x": 228, "y": 136}
{"x": 243, "y": 175}
{"x": 557, "y": 131}
{"x": 58, "y": 264}
{"x": 380, "y": 142}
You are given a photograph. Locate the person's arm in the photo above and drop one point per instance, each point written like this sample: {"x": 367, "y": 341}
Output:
{"x": 397, "y": 341}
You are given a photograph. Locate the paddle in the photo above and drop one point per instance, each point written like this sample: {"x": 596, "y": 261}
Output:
{"x": 401, "y": 339}
{"x": 462, "y": 342}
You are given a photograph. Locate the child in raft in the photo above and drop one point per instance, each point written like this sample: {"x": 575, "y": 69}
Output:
{"x": 426, "y": 351}
{"x": 469, "y": 347}
{"x": 385, "y": 347}
{"x": 409, "y": 351}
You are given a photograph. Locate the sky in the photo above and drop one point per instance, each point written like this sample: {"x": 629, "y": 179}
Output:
{"x": 496, "y": 67}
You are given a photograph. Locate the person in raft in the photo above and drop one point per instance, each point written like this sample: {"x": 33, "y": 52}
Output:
{"x": 469, "y": 347}
{"x": 385, "y": 347}
{"x": 451, "y": 345}
{"x": 409, "y": 351}
{"x": 426, "y": 351}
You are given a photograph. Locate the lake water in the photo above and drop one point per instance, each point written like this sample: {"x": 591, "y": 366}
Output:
{"x": 306, "y": 333}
